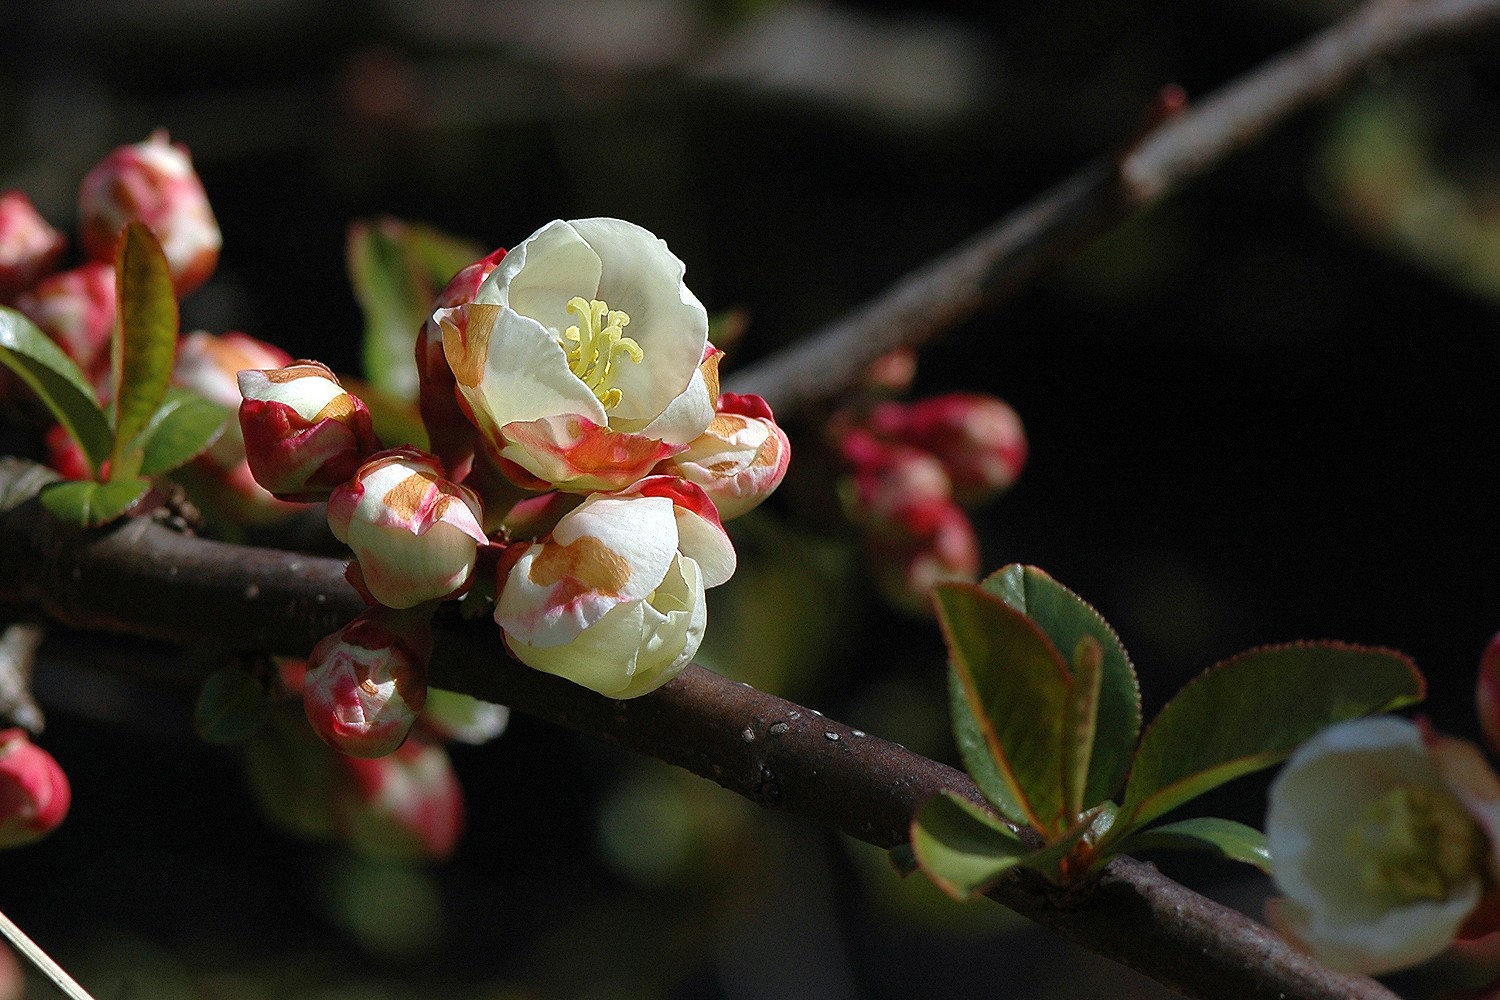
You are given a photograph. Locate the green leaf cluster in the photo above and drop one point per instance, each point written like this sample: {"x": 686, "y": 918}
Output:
{"x": 150, "y": 428}
{"x": 1047, "y": 717}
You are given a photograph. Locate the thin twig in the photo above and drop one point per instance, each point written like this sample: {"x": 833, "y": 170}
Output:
{"x": 65, "y": 983}
{"x": 137, "y": 578}
{"x": 1000, "y": 260}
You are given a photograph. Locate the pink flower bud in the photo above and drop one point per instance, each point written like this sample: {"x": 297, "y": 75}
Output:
{"x": 406, "y": 805}
{"x": 414, "y": 533}
{"x": 34, "y": 792}
{"x": 153, "y": 182}
{"x": 210, "y": 365}
{"x": 978, "y": 438}
{"x": 902, "y": 493}
{"x": 77, "y": 310}
{"x": 304, "y": 435}
{"x": 739, "y": 460}
{"x": 450, "y": 428}
{"x": 29, "y": 248}
{"x": 906, "y": 569}
{"x": 366, "y": 682}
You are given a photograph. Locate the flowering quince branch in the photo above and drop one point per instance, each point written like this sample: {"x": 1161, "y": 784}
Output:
{"x": 1000, "y": 260}
{"x": 137, "y": 576}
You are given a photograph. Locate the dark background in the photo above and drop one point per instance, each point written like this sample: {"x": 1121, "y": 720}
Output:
{"x": 1264, "y": 411}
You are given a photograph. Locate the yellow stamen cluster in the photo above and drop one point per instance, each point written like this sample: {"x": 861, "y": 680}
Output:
{"x": 595, "y": 345}
{"x": 1416, "y": 844}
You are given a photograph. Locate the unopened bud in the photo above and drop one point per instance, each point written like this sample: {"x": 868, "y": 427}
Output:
{"x": 29, "y": 248}
{"x": 979, "y": 439}
{"x": 414, "y": 533}
{"x": 408, "y": 805}
{"x": 739, "y": 460}
{"x": 77, "y": 310}
{"x": 906, "y": 569}
{"x": 304, "y": 435}
{"x": 34, "y": 792}
{"x": 450, "y": 430}
{"x": 903, "y": 494}
{"x": 152, "y": 182}
{"x": 367, "y": 682}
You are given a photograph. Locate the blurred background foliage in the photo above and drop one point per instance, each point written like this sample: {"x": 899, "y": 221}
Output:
{"x": 1265, "y": 410}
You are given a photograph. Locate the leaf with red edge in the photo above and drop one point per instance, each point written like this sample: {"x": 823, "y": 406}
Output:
{"x": 1017, "y": 686}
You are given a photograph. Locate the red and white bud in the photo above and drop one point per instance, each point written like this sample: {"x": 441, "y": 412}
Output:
{"x": 739, "y": 460}
{"x": 979, "y": 439}
{"x": 209, "y": 364}
{"x": 905, "y": 569}
{"x": 152, "y": 182}
{"x": 613, "y": 598}
{"x": 902, "y": 493}
{"x": 29, "y": 247}
{"x": 34, "y": 791}
{"x": 414, "y": 533}
{"x": 366, "y": 683}
{"x": 450, "y": 429}
{"x": 77, "y": 310}
{"x": 304, "y": 434}
{"x": 408, "y": 805}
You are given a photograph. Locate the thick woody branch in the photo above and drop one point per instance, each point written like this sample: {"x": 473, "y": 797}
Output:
{"x": 145, "y": 579}
{"x": 998, "y": 261}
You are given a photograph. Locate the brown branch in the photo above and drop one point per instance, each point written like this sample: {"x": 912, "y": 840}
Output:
{"x": 145, "y": 579}
{"x": 1000, "y": 260}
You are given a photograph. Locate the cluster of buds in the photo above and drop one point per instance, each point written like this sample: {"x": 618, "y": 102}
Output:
{"x": 572, "y": 404}
{"x": 913, "y": 468}
{"x": 1385, "y": 836}
{"x": 151, "y": 182}
{"x": 34, "y": 792}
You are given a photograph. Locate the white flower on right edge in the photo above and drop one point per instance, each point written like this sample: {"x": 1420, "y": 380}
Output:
{"x": 1382, "y": 844}
{"x": 613, "y": 598}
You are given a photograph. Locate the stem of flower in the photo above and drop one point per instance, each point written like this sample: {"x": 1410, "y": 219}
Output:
{"x": 65, "y": 983}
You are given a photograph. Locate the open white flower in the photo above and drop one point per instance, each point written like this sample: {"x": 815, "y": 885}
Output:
{"x": 613, "y": 598}
{"x": 584, "y": 358}
{"x": 1378, "y": 854}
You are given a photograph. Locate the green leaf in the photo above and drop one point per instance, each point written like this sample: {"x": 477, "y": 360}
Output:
{"x": 1017, "y": 688}
{"x": 181, "y": 429}
{"x": 1252, "y": 710}
{"x": 88, "y": 504}
{"x": 963, "y": 848}
{"x": 57, "y": 382}
{"x": 232, "y": 706}
{"x": 397, "y": 270}
{"x": 974, "y": 749}
{"x": 1067, "y": 619}
{"x": 146, "y": 340}
{"x": 1225, "y": 837}
{"x": 1080, "y": 725}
